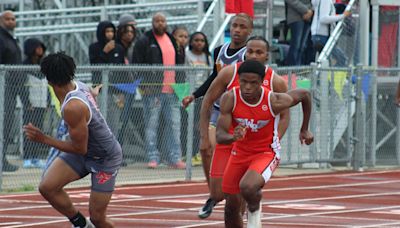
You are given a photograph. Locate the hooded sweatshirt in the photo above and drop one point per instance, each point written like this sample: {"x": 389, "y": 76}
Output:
{"x": 30, "y": 46}
{"x": 96, "y": 53}
{"x": 98, "y": 56}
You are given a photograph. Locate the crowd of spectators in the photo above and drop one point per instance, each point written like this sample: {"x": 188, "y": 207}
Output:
{"x": 117, "y": 45}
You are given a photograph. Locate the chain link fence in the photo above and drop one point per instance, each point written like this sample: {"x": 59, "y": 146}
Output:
{"x": 341, "y": 119}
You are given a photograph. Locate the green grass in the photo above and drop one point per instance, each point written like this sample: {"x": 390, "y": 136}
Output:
{"x": 24, "y": 188}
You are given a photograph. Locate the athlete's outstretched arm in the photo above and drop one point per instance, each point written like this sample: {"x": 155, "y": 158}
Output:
{"x": 216, "y": 89}
{"x": 95, "y": 91}
{"x": 225, "y": 119}
{"x": 201, "y": 91}
{"x": 280, "y": 86}
{"x": 283, "y": 101}
{"x": 76, "y": 115}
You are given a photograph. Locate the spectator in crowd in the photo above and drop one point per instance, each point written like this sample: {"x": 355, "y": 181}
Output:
{"x": 198, "y": 55}
{"x": 10, "y": 53}
{"x": 298, "y": 17}
{"x": 107, "y": 51}
{"x": 322, "y": 23}
{"x": 388, "y": 33}
{"x": 240, "y": 6}
{"x": 181, "y": 36}
{"x": 157, "y": 46}
{"x": 126, "y": 34}
{"x": 34, "y": 50}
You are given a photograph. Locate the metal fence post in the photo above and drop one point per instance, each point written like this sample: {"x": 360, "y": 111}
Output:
{"x": 332, "y": 115}
{"x": 289, "y": 131}
{"x": 398, "y": 136}
{"x": 104, "y": 93}
{"x": 190, "y": 127}
{"x": 350, "y": 98}
{"x": 372, "y": 129}
{"x": 324, "y": 110}
{"x": 2, "y": 88}
{"x": 359, "y": 137}
{"x": 313, "y": 119}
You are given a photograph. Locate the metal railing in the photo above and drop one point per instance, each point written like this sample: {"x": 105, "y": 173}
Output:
{"x": 338, "y": 95}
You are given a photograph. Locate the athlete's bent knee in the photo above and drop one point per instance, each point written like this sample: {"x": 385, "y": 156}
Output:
{"x": 248, "y": 189}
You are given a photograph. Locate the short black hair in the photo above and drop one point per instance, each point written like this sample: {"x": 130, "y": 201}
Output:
{"x": 246, "y": 17}
{"x": 252, "y": 66}
{"x": 58, "y": 68}
{"x": 259, "y": 38}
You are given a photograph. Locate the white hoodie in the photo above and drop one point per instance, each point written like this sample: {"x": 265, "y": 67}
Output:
{"x": 324, "y": 17}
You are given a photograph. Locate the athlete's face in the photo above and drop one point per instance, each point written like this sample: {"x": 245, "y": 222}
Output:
{"x": 250, "y": 86}
{"x": 257, "y": 50}
{"x": 240, "y": 30}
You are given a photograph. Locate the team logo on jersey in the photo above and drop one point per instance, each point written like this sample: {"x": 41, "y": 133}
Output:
{"x": 250, "y": 123}
{"x": 265, "y": 82}
{"x": 102, "y": 177}
{"x": 264, "y": 108}
{"x": 92, "y": 100}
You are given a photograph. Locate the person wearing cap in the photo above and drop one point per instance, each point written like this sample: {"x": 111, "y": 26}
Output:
{"x": 126, "y": 34}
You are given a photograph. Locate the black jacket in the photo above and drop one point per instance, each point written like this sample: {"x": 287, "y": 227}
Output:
{"x": 148, "y": 51}
{"x": 10, "y": 53}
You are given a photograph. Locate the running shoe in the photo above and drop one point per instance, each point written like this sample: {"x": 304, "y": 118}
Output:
{"x": 207, "y": 209}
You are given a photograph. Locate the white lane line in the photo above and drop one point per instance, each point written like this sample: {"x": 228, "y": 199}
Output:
{"x": 379, "y": 225}
{"x": 315, "y": 176}
{"x": 302, "y": 215}
{"x": 9, "y": 223}
{"x": 304, "y": 224}
{"x": 266, "y": 190}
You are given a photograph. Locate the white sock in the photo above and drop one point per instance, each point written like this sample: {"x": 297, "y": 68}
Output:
{"x": 254, "y": 219}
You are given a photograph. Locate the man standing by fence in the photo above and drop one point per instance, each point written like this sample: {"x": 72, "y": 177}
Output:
{"x": 10, "y": 54}
{"x": 157, "y": 46}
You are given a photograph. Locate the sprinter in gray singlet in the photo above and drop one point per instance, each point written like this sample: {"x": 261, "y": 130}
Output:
{"x": 84, "y": 145}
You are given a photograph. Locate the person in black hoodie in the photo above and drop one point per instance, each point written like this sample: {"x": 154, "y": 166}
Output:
{"x": 157, "y": 46}
{"x": 34, "y": 50}
{"x": 10, "y": 53}
{"x": 107, "y": 51}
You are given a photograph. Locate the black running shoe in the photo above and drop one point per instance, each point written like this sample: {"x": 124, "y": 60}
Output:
{"x": 206, "y": 210}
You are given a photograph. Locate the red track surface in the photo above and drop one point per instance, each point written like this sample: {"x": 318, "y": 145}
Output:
{"x": 368, "y": 199}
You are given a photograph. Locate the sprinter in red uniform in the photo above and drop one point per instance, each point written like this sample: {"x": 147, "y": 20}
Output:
{"x": 254, "y": 112}
{"x": 257, "y": 49}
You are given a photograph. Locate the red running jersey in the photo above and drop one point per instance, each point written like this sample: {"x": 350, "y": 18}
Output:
{"x": 262, "y": 123}
{"x": 267, "y": 83}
